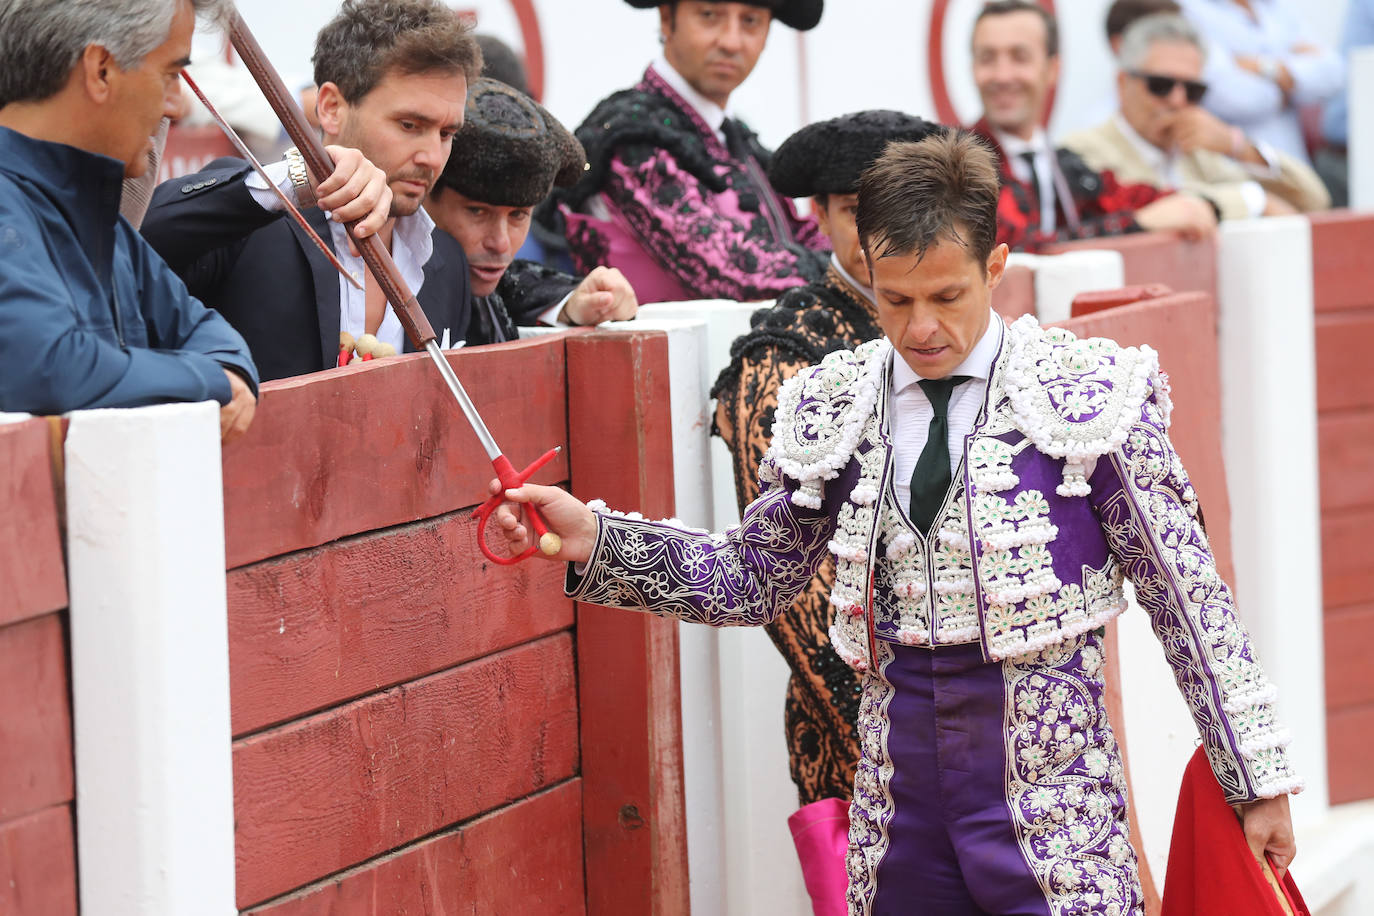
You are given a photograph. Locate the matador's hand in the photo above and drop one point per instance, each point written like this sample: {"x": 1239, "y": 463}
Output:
{"x": 566, "y": 515}
{"x": 1269, "y": 829}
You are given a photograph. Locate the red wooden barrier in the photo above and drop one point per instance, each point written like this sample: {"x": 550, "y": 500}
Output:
{"x": 382, "y": 443}
{"x": 342, "y": 787}
{"x": 635, "y": 834}
{"x": 1183, "y": 328}
{"x": 1158, "y": 257}
{"x": 323, "y": 626}
{"x": 1102, "y": 299}
{"x": 1016, "y": 294}
{"x": 1344, "y": 301}
{"x": 411, "y": 721}
{"x": 473, "y": 864}
{"x": 190, "y": 149}
{"x": 37, "y": 845}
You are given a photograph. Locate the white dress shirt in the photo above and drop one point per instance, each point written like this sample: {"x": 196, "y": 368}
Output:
{"x": 710, "y": 112}
{"x": 1269, "y": 29}
{"x": 909, "y": 410}
{"x": 412, "y": 243}
{"x": 1045, "y": 167}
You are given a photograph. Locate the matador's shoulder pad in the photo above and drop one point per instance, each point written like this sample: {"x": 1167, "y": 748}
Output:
{"x": 822, "y": 411}
{"x": 1077, "y": 398}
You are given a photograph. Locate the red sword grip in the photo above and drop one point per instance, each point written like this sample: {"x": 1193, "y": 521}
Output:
{"x": 512, "y": 479}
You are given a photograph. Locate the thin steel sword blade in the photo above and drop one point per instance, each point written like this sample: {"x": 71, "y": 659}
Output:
{"x": 479, "y": 426}
{"x": 243, "y": 149}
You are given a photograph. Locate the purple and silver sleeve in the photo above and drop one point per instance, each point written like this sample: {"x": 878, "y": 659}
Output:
{"x": 1150, "y": 514}
{"x": 745, "y": 576}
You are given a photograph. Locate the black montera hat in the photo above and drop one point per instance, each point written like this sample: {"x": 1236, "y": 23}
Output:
{"x": 801, "y": 15}
{"x": 510, "y": 152}
{"x": 829, "y": 156}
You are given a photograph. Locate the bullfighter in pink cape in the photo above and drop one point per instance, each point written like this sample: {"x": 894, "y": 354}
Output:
{"x": 676, "y": 193}
{"x": 985, "y": 491}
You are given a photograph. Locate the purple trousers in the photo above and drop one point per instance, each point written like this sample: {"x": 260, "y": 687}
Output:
{"x": 990, "y": 788}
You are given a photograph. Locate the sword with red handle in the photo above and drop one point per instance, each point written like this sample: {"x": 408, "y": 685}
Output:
{"x": 402, "y": 300}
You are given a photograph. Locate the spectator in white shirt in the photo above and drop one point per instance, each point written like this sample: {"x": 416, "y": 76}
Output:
{"x": 1263, "y": 66}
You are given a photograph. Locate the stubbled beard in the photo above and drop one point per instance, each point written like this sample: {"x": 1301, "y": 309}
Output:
{"x": 404, "y": 206}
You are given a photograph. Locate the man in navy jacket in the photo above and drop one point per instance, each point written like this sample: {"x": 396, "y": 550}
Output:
{"x": 90, "y": 316}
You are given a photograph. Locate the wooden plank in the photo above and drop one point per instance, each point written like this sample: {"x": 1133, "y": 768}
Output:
{"x": 1102, "y": 299}
{"x": 35, "y": 717}
{"x": 1349, "y": 634}
{"x": 1158, "y": 257}
{"x": 1183, "y": 329}
{"x": 1346, "y": 456}
{"x": 1349, "y": 747}
{"x": 1344, "y": 341}
{"x": 1341, "y": 242}
{"x": 33, "y": 577}
{"x": 1347, "y": 575}
{"x": 321, "y": 627}
{"x": 635, "y": 819}
{"x": 337, "y": 453}
{"x": 525, "y": 858}
{"x": 38, "y": 864}
{"x": 326, "y": 793}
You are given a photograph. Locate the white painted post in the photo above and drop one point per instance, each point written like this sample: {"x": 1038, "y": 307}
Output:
{"x": 698, "y": 654}
{"x": 1060, "y": 277}
{"x": 739, "y": 720}
{"x": 1269, "y": 442}
{"x": 150, "y": 661}
{"x": 1361, "y": 144}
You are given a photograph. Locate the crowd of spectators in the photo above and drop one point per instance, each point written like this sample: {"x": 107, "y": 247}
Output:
{"x": 498, "y": 216}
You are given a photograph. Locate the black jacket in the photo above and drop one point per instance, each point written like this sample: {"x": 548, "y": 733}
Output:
{"x": 262, "y": 272}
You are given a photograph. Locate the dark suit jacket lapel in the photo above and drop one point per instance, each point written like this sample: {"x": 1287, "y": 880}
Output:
{"x": 432, "y": 301}
{"x": 326, "y": 282}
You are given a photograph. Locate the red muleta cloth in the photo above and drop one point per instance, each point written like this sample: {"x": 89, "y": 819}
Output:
{"x": 1211, "y": 869}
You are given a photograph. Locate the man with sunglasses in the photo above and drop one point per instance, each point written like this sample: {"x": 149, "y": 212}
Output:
{"x": 1049, "y": 194}
{"x": 1162, "y": 136}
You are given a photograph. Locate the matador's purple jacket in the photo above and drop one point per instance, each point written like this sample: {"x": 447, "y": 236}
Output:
{"x": 679, "y": 213}
{"x": 1068, "y": 484}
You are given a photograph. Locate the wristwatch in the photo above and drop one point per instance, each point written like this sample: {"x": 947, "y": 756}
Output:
{"x": 300, "y": 178}
{"x": 1268, "y": 68}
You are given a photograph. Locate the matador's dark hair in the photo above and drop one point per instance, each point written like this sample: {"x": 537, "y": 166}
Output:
{"x": 918, "y": 194}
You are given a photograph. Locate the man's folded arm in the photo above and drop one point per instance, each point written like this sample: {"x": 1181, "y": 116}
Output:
{"x": 53, "y": 364}
{"x": 177, "y": 321}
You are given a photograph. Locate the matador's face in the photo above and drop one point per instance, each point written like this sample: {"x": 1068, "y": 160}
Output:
{"x": 934, "y": 307}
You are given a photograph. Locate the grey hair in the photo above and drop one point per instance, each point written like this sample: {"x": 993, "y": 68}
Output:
{"x": 42, "y": 40}
{"x": 1146, "y": 31}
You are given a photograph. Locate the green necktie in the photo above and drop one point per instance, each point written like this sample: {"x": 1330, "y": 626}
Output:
{"x": 931, "y": 478}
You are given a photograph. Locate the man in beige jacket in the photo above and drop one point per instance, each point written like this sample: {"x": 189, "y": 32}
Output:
{"x": 1160, "y": 135}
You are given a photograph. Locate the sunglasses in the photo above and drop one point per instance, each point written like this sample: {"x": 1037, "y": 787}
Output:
{"x": 1161, "y": 87}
